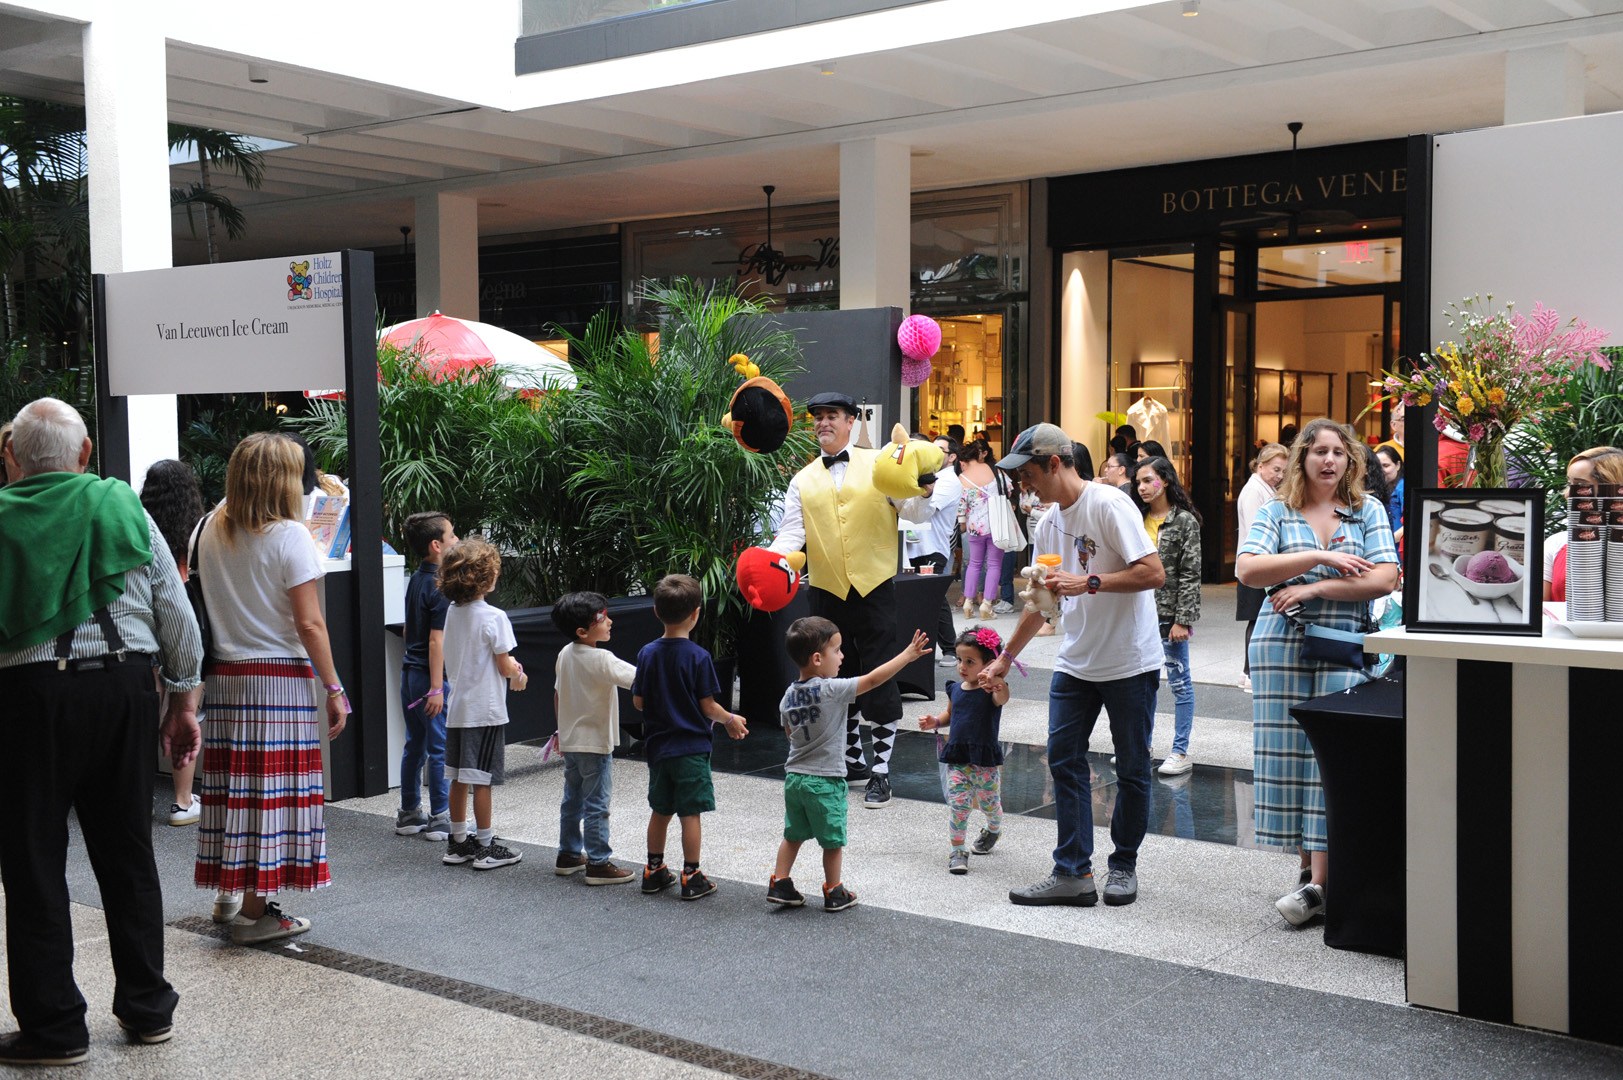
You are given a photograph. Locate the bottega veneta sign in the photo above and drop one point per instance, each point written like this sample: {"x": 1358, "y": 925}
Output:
{"x": 1181, "y": 201}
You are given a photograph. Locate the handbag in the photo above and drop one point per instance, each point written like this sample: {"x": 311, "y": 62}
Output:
{"x": 1326, "y": 645}
{"x": 1007, "y": 535}
{"x": 194, "y": 590}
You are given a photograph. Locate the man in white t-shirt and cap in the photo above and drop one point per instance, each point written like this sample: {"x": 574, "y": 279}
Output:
{"x": 1110, "y": 656}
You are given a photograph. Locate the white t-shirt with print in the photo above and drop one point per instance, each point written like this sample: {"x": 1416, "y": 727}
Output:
{"x": 245, "y": 584}
{"x": 1108, "y": 635}
{"x": 475, "y": 633}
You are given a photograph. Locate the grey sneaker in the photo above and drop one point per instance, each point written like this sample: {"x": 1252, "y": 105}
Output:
{"x": 1002, "y": 607}
{"x": 271, "y": 926}
{"x": 1302, "y": 905}
{"x": 410, "y": 822}
{"x": 1121, "y": 887}
{"x": 985, "y": 842}
{"x": 958, "y": 861}
{"x": 438, "y": 828}
{"x": 461, "y": 851}
{"x": 1057, "y": 889}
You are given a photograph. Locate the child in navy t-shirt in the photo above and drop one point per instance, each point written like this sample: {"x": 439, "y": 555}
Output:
{"x": 676, "y": 689}
{"x": 971, "y": 752}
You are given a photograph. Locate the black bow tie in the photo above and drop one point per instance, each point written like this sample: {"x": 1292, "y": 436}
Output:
{"x": 829, "y": 460}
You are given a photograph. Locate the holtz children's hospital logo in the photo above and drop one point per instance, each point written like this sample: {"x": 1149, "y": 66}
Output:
{"x": 298, "y": 281}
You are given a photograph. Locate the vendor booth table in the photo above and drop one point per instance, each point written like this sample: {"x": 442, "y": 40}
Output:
{"x": 1513, "y": 851}
{"x": 1354, "y": 735}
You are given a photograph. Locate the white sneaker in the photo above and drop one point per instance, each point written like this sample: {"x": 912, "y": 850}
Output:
{"x": 187, "y": 815}
{"x": 1302, "y": 905}
{"x": 226, "y": 907}
{"x": 1176, "y": 765}
{"x": 1002, "y": 607}
{"x": 271, "y": 926}
{"x": 1245, "y": 683}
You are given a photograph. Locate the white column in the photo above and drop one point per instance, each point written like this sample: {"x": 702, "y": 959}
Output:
{"x": 1545, "y": 82}
{"x": 448, "y": 255}
{"x": 126, "y": 133}
{"x": 876, "y": 223}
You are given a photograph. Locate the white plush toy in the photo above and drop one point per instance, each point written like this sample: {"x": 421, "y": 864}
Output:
{"x": 1037, "y": 595}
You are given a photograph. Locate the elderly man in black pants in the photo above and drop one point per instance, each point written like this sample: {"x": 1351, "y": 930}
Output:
{"x": 91, "y": 605}
{"x": 848, "y": 528}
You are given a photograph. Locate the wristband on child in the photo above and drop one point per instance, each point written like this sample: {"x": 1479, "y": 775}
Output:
{"x": 1013, "y": 660}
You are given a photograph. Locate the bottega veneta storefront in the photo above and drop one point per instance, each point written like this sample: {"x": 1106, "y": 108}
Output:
{"x": 1220, "y": 305}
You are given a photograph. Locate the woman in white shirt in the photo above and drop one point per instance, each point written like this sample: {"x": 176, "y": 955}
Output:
{"x": 1267, "y": 472}
{"x": 262, "y": 829}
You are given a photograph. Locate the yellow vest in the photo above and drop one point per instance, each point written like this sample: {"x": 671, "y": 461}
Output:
{"x": 850, "y": 533}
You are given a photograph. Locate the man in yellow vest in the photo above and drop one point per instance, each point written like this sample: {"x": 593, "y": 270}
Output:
{"x": 848, "y": 529}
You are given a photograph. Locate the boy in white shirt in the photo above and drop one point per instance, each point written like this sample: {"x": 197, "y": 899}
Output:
{"x": 587, "y": 704}
{"x": 479, "y": 643}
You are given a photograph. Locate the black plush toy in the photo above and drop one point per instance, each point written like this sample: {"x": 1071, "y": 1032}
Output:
{"x": 760, "y": 415}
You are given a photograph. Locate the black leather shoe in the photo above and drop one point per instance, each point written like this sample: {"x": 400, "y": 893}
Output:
{"x": 18, "y": 1048}
{"x": 878, "y": 793}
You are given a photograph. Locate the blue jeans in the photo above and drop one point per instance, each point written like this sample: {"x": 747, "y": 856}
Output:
{"x": 587, "y": 779}
{"x": 425, "y": 742}
{"x": 1182, "y": 685}
{"x": 1073, "y": 709}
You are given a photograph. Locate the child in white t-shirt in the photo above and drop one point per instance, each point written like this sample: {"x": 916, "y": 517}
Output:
{"x": 479, "y": 643}
{"x": 589, "y": 680}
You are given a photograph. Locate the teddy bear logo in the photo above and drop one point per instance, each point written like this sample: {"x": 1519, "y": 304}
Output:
{"x": 298, "y": 281}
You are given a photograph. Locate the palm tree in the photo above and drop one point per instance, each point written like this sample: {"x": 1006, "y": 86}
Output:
{"x": 216, "y": 150}
{"x": 44, "y": 221}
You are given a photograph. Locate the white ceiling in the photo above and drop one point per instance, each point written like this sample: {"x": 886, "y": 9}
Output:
{"x": 1105, "y": 91}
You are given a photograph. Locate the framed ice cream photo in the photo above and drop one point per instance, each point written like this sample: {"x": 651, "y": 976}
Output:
{"x": 1477, "y": 563}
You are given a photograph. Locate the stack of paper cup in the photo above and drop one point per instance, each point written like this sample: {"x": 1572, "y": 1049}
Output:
{"x": 1586, "y": 555}
{"x": 1611, "y": 501}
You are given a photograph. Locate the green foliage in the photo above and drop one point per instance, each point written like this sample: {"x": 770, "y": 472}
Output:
{"x": 662, "y": 486}
{"x": 608, "y": 486}
{"x": 215, "y": 430}
{"x": 1590, "y": 413}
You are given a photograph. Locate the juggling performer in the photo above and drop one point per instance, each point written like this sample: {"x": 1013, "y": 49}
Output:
{"x": 842, "y": 508}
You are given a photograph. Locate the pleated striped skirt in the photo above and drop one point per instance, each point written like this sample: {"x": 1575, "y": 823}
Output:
{"x": 262, "y": 828}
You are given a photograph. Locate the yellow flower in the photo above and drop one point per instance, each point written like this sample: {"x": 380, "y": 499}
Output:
{"x": 1496, "y": 396}
{"x": 1423, "y": 400}
{"x": 1454, "y": 385}
{"x": 1465, "y": 406}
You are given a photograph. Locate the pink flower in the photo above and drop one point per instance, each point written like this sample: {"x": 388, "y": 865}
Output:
{"x": 1477, "y": 433}
{"x": 1439, "y": 421}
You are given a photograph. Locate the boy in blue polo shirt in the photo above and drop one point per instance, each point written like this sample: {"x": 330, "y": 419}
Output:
{"x": 675, "y": 689}
{"x": 422, "y": 683}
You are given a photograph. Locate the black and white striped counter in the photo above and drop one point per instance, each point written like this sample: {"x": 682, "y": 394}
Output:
{"x": 1515, "y": 850}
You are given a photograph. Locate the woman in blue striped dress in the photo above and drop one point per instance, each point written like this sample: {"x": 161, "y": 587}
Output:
{"x": 1325, "y": 547}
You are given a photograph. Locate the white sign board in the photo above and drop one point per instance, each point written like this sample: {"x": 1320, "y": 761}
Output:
{"x": 268, "y": 324}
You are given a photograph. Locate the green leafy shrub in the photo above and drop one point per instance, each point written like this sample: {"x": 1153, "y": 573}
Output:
{"x": 1589, "y": 414}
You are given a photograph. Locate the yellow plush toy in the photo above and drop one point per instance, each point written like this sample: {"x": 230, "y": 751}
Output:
{"x": 905, "y": 465}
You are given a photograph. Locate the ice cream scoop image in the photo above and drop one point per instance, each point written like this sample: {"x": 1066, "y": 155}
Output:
{"x": 1489, "y": 568}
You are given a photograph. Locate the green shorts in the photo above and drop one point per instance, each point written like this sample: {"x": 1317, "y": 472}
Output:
{"x": 814, "y": 809}
{"x": 681, "y": 785}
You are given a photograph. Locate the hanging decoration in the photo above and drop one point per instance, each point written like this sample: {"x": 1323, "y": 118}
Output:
{"x": 919, "y": 338}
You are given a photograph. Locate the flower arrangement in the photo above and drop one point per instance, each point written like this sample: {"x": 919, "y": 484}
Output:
{"x": 1504, "y": 367}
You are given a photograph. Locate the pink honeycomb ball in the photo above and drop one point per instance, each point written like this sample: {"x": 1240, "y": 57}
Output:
{"x": 919, "y": 337}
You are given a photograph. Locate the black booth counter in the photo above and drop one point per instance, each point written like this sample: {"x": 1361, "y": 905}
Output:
{"x": 762, "y": 666}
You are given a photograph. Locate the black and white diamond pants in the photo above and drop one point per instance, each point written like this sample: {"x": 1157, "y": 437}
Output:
{"x": 868, "y": 637}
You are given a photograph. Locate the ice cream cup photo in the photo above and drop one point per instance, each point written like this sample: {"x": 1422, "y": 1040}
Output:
{"x": 1488, "y": 575}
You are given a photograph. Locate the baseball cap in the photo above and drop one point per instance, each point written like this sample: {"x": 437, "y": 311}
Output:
{"x": 1038, "y": 441}
{"x": 832, "y": 399}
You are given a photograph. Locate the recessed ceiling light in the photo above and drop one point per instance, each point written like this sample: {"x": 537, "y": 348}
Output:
{"x": 826, "y": 68}
{"x": 258, "y": 73}
{"x": 1191, "y": 8}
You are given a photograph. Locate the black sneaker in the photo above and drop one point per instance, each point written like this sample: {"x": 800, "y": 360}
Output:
{"x": 695, "y": 885}
{"x": 494, "y": 855}
{"x": 17, "y": 1048}
{"x": 857, "y": 774}
{"x": 151, "y": 1037}
{"x": 985, "y": 842}
{"x": 659, "y": 880}
{"x": 781, "y": 890}
{"x": 838, "y": 898}
{"x": 461, "y": 851}
{"x": 878, "y": 794}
